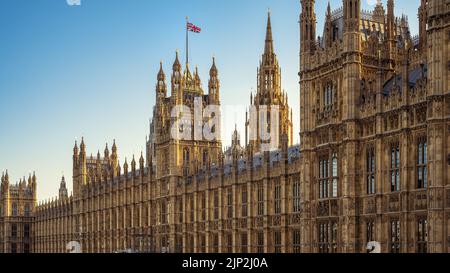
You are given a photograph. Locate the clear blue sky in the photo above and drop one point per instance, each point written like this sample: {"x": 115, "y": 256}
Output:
{"x": 90, "y": 70}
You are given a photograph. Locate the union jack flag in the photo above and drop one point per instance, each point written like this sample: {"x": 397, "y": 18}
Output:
{"x": 193, "y": 28}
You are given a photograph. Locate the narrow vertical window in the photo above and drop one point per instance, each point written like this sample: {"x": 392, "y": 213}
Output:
{"x": 244, "y": 201}
{"x": 296, "y": 241}
{"x": 422, "y": 235}
{"x": 244, "y": 242}
{"x": 334, "y": 174}
{"x": 395, "y": 167}
{"x": 334, "y": 237}
{"x": 230, "y": 203}
{"x": 422, "y": 164}
{"x": 370, "y": 231}
{"x": 260, "y": 242}
{"x": 192, "y": 208}
{"x": 180, "y": 211}
{"x": 395, "y": 236}
{"x": 203, "y": 202}
{"x": 296, "y": 194}
{"x": 277, "y": 200}
{"x": 324, "y": 232}
{"x": 216, "y": 205}
{"x": 277, "y": 241}
{"x": 370, "y": 171}
{"x": 229, "y": 242}
{"x": 260, "y": 199}
{"x": 324, "y": 178}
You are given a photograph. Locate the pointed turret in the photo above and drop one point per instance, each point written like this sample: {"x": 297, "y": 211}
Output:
{"x": 161, "y": 74}
{"x": 141, "y": 162}
{"x": 83, "y": 147}
{"x": 268, "y": 49}
{"x": 197, "y": 81}
{"x": 176, "y": 65}
{"x": 133, "y": 165}
{"x": 161, "y": 88}
{"x": 214, "y": 84}
{"x": 328, "y": 27}
{"x": 125, "y": 167}
{"x": 6, "y": 177}
{"x": 177, "y": 81}
{"x": 114, "y": 159}
{"x": 235, "y": 141}
{"x": 63, "y": 189}
{"x": 114, "y": 148}
{"x": 106, "y": 153}
{"x": 75, "y": 149}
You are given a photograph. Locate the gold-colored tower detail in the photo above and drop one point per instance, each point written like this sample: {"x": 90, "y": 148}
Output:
{"x": 175, "y": 155}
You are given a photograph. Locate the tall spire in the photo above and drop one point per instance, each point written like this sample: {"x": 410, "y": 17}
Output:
{"x": 268, "y": 49}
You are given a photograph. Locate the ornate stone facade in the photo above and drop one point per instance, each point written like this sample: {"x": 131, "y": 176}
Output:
{"x": 373, "y": 129}
{"x": 373, "y": 164}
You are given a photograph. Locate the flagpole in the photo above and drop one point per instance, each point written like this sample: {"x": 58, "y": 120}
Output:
{"x": 187, "y": 41}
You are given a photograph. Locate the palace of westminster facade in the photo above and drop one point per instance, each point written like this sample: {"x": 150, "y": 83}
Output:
{"x": 373, "y": 163}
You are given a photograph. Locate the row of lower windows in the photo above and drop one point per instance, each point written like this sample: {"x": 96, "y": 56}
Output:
{"x": 15, "y": 248}
{"x": 328, "y": 178}
{"x": 395, "y": 235}
{"x": 394, "y": 167}
{"x": 15, "y": 210}
{"x": 328, "y": 236}
{"x": 242, "y": 242}
{"x": 26, "y": 230}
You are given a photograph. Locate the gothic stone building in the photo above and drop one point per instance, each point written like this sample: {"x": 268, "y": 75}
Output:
{"x": 17, "y": 203}
{"x": 375, "y": 129}
{"x": 373, "y": 162}
{"x": 186, "y": 195}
